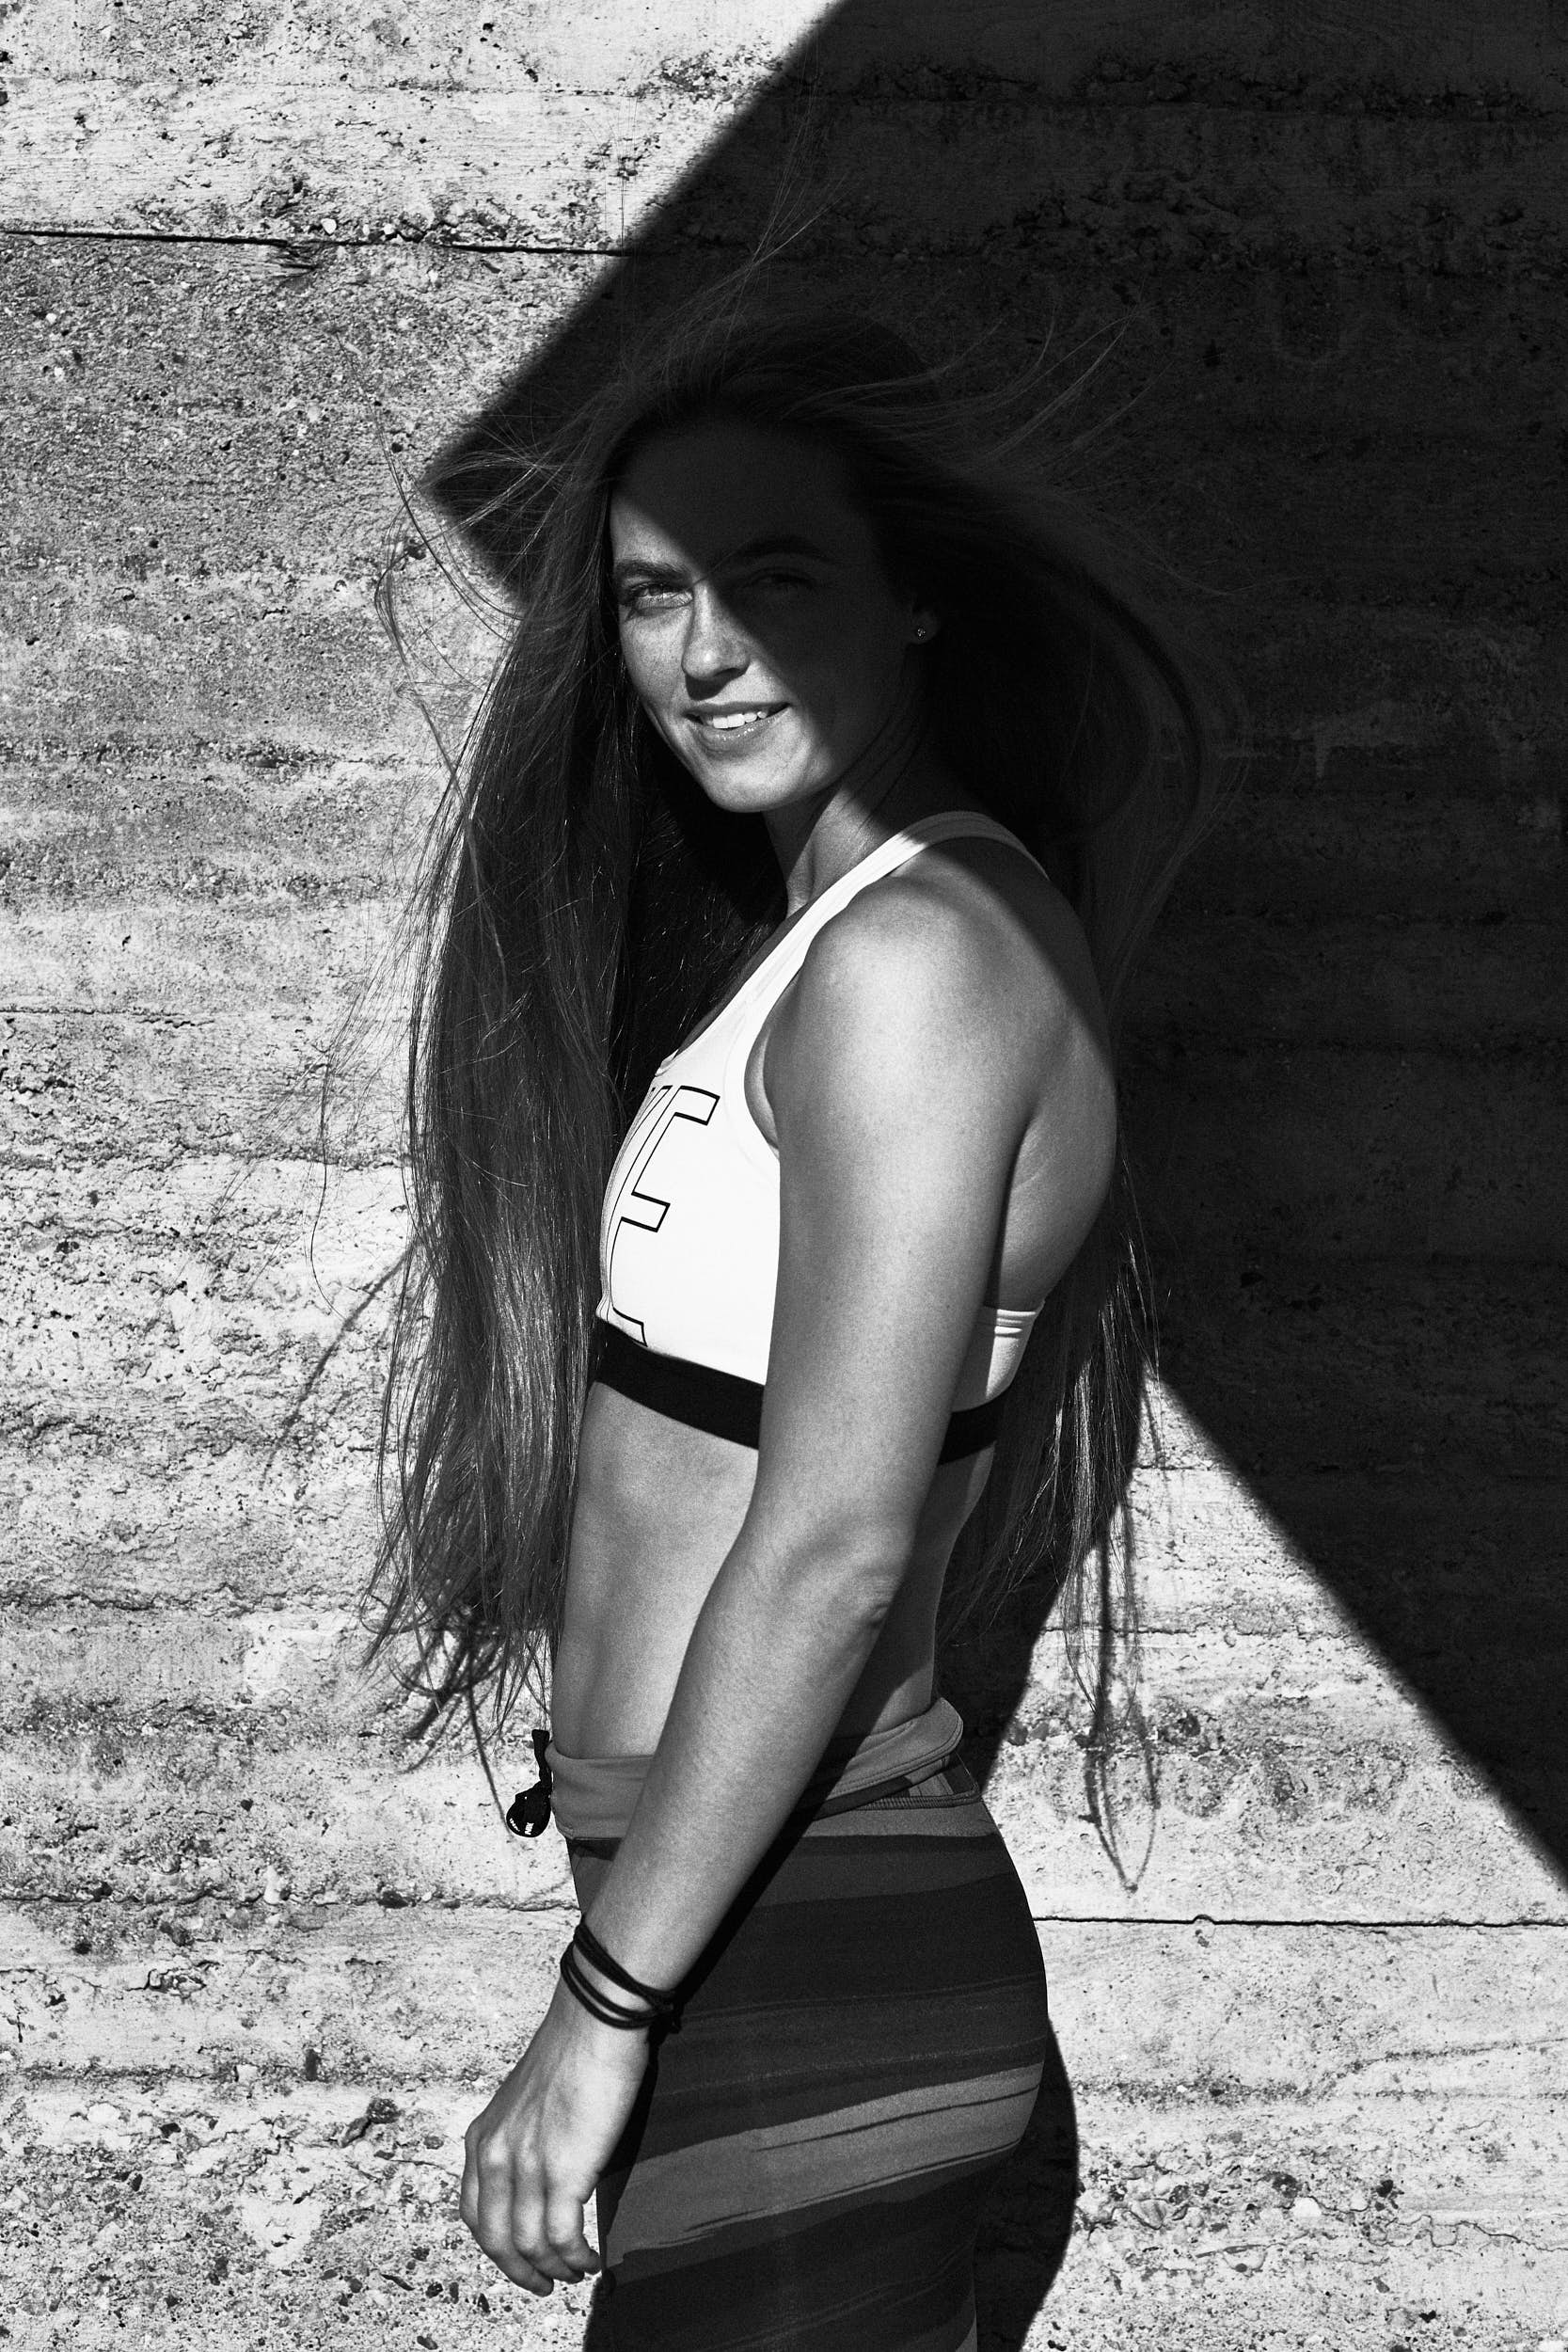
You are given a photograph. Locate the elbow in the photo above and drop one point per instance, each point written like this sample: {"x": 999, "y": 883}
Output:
{"x": 821, "y": 1546}
{"x": 851, "y": 1577}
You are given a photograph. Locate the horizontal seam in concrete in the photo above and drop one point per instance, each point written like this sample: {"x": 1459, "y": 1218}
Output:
{"x": 242, "y": 1158}
{"x": 1014, "y": 90}
{"x": 107, "y": 1012}
{"x": 1445, "y": 1921}
{"x": 289, "y": 247}
{"x": 282, "y": 1603}
{"x": 787, "y": 78}
{"x": 1210, "y": 1038}
{"x": 343, "y": 1915}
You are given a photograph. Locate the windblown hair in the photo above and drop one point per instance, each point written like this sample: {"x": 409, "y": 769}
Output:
{"x": 585, "y": 904}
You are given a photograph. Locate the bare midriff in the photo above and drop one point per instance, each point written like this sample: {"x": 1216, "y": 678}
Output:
{"x": 658, "y": 1507}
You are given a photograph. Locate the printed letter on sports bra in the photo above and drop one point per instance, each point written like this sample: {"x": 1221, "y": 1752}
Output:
{"x": 642, "y": 1199}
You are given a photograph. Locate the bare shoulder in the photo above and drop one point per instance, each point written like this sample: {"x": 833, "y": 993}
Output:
{"x": 967, "y": 963}
{"x": 1030, "y": 939}
{"x": 944, "y": 1043}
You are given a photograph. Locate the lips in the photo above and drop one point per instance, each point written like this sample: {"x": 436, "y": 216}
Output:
{"x": 734, "y": 722}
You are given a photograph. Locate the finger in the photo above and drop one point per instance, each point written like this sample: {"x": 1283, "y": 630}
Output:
{"x": 489, "y": 2193}
{"x": 517, "y": 2267}
{"x": 565, "y": 2234}
{"x": 467, "y": 2192}
{"x": 484, "y": 2203}
{"x": 536, "y": 2242}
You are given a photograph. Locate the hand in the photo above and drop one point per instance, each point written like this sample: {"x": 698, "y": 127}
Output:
{"x": 536, "y": 2153}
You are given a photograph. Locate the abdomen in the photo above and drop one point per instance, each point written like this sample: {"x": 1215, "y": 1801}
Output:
{"x": 658, "y": 1507}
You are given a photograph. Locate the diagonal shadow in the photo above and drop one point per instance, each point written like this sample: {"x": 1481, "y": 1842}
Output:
{"x": 1433, "y": 1528}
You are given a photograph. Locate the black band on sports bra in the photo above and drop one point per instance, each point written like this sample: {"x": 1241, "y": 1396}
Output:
{"x": 728, "y": 1407}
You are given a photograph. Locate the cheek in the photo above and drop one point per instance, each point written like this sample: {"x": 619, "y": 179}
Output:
{"x": 834, "y": 650}
{"x": 865, "y": 633}
{"x": 851, "y": 680}
{"x": 647, "y": 665}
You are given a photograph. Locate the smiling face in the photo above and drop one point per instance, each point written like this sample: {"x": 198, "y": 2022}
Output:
{"x": 758, "y": 625}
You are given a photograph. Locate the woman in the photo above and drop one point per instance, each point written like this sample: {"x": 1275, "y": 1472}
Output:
{"x": 761, "y": 1108}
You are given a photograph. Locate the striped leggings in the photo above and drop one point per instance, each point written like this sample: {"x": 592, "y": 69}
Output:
{"x": 860, "y": 2050}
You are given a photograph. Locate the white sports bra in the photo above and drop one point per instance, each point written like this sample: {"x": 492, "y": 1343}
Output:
{"x": 688, "y": 1236}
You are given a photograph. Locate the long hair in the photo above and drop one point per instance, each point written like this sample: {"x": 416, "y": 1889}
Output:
{"x": 584, "y": 904}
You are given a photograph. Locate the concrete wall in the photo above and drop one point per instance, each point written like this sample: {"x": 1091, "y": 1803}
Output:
{"x": 256, "y": 262}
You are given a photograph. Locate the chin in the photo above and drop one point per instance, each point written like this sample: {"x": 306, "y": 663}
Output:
{"x": 731, "y": 794}
{"x": 752, "y": 795}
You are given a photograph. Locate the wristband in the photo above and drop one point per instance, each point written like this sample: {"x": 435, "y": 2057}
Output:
{"x": 598, "y": 2004}
{"x": 662, "y": 2004}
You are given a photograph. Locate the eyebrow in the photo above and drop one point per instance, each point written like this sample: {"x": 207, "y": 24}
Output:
{"x": 782, "y": 543}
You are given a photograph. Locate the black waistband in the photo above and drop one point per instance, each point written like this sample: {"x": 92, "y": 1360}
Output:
{"x": 728, "y": 1407}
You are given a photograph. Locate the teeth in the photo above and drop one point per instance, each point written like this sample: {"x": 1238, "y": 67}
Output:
{"x": 732, "y": 726}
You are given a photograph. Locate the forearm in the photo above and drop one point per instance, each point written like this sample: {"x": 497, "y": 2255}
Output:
{"x": 770, "y": 1666}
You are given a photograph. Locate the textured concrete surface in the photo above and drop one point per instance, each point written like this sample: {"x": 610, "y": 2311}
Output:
{"x": 254, "y": 1974}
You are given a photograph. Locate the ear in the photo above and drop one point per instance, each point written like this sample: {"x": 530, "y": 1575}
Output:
{"x": 923, "y": 624}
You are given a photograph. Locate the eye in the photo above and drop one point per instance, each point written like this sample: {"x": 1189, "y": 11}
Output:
{"x": 650, "y": 596}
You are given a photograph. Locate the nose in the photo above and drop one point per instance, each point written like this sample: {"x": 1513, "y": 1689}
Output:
{"x": 715, "y": 648}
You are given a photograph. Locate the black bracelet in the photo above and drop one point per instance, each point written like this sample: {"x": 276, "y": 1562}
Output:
{"x": 662, "y": 2004}
{"x": 598, "y": 2004}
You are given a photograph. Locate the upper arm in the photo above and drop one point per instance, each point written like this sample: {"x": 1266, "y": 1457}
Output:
{"x": 901, "y": 1085}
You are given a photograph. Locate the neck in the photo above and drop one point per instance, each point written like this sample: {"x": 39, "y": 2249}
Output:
{"x": 898, "y": 779}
